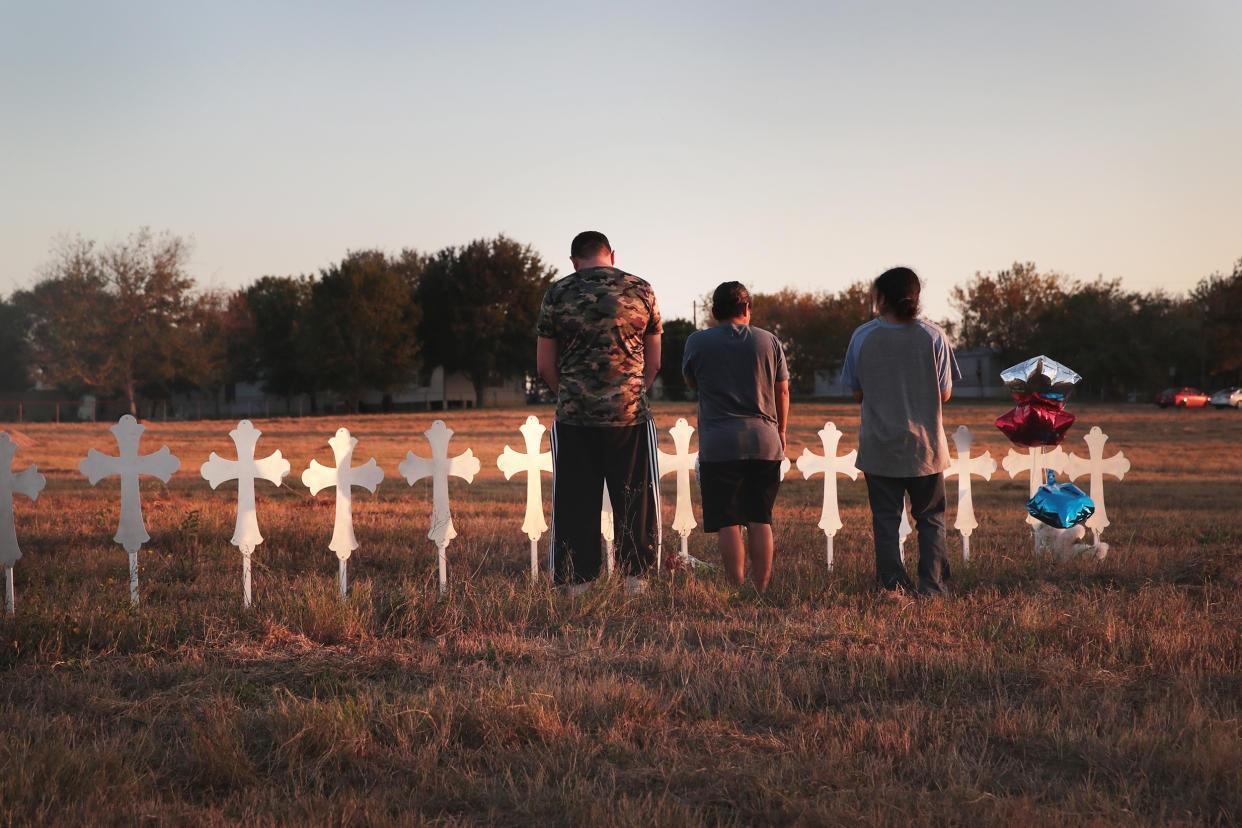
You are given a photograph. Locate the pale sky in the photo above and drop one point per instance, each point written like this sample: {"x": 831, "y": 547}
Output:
{"x": 803, "y": 144}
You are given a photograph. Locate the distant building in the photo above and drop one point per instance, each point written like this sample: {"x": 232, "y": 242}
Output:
{"x": 980, "y": 369}
{"x": 442, "y": 391}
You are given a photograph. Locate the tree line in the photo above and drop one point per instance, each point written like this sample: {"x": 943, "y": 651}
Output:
{"x": 128, "y": 321}
{"x": 1123, "y": 343}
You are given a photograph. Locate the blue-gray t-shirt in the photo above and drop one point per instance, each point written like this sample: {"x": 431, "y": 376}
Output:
{"x": 736, "y": 368}
{"x": 902, "y": 371}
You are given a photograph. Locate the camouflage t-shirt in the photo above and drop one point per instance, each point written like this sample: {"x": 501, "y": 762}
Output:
{"x": 599, "y": 317}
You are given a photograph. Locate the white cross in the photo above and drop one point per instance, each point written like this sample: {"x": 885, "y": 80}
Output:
{"x": 532, "y": 462}
{"x": 830, "y": 465}
{"x": 245, "y": 470}
{"x": 904, "y": 529}
{"x": 963, "y": 467}
{"x": 438, "y": 468}
{"x": 681, "y": 463}
{"x": 131, "y": 531}
{"x": 28, "y": 482}
{"x": 1097, "y": 466}
{"x": 344, "y": 477}
{"x": 1033, "y": 464}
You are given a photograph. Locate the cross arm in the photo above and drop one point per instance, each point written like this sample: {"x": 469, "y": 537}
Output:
{"x": 29, "y": 482}
{"x": 96, "y": 466}
{"x": 217, "y": 470}
{"x": 466, "y": 465}
{"x": 369, "y": 475}
{"x": 162, "y": 464}
{"x": 318, "y": 477}
{"x": 273, "y": 468}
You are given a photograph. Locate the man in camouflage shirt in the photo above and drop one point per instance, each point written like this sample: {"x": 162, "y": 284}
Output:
{"x": 599, "y": 351}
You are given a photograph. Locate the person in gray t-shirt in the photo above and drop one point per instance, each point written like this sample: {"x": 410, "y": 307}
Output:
{"x": 743, "y": 384}
{"x": 901, "y": 369}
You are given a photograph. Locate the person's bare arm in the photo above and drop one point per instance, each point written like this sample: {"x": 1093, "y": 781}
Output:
{"x": 651, "y": 358}
{"x": 782, "y": 409}
{"x": 545, "y": 362}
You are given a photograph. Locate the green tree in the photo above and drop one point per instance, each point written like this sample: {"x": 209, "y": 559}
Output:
{"x": 672, "y": 349}
{"x": 814, "y": 328}
{"x": 106, "y": 319}
{"x": 277, "y": 313}
{"x": 1217, "y": 300}
{"x": 1092, "y": 328}
{"x": 213, "y": 345}
{"x": 480, "y": 303}
{"x": 1001, "y": 311}
{"x": 363, "y": 325}
{"x": 14, "y": 344}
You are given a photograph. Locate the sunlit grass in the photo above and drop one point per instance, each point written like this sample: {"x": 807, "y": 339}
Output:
{"x": 1040, "y": 692}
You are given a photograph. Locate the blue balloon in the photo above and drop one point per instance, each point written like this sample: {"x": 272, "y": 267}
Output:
{"x": 1061, "y": 505}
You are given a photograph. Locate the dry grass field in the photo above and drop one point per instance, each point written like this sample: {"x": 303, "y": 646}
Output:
{"x": 1040, "y": 692}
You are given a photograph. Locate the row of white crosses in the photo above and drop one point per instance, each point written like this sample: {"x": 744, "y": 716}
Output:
{"x": 131, "y": 533}
{"x": 1033, "y": 463}
{"x": 129, "y": 465}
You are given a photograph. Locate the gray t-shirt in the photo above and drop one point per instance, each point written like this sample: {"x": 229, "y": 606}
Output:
{"x": 902, "y": 370}
{"x": 736, "y": 368}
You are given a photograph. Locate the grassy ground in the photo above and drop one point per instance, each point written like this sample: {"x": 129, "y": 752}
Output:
{"x": 1039, "y": 693}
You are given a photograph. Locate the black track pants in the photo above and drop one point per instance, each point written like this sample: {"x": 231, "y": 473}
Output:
{"x": 583, "y": 458}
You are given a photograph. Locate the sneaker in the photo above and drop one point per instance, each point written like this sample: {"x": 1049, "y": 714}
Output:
{"x": 635, "y": 585}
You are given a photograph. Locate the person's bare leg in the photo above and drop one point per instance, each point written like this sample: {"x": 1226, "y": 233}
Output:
{"x": 732, "y": 553}
{"x": 759, "y": 545}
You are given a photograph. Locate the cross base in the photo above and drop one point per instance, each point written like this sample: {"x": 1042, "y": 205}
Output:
{"x": 442, "y": 553}
{"x": 246, "y": 552}
{"x": 133, "y": 576}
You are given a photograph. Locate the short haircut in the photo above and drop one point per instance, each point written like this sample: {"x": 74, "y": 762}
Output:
{"x": 589, "y": 244}
{"x": 900, "y": 288}
{"x": 730, "y": 301}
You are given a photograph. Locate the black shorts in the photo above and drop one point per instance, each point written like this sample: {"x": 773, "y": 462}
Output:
{"x": 737, "y": 492}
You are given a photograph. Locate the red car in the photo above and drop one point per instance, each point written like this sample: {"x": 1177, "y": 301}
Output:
{"x": 1182, "y": 398}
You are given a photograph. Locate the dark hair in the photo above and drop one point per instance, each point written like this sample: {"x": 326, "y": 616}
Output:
{"x": 730, "y": 301}
{"x": 900, "y": 288}
{"x": 589, "y": 244}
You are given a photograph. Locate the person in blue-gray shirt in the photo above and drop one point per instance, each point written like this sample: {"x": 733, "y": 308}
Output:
{"x": 901, "y": 369}
{"x": 743, "y": 384}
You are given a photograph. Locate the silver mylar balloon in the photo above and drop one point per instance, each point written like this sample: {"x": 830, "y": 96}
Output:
{"x": 1039, "y": 375}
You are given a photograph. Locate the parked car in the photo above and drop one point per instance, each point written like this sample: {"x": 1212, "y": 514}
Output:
{"x": 1182, "y": 398}
{"x": 1228, "y": 398}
